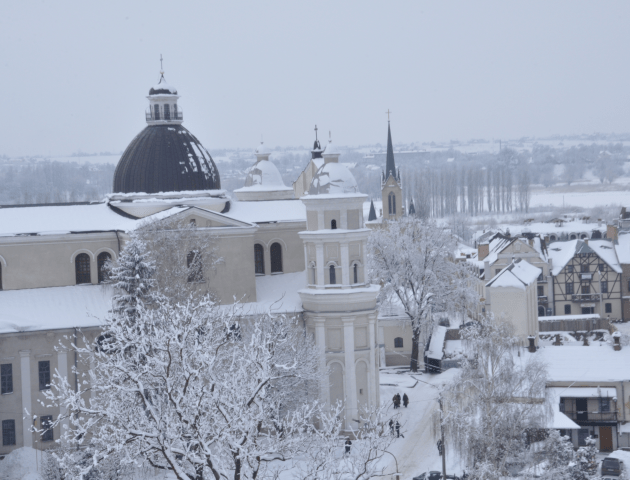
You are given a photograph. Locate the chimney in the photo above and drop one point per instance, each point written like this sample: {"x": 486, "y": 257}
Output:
{"x": 612, "y": 233}
{"x": 483, "y": 250}
{"x": 617, "y": 341}
{"x": 531, "y": 348}
{"x": 586, "y": 240}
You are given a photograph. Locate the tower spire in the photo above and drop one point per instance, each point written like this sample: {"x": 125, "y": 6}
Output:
{"x": 390, "y": 164}
{"x": 317, "y": 148}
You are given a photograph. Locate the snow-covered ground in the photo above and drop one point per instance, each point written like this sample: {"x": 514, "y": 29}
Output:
{"x": 417, "y": 452}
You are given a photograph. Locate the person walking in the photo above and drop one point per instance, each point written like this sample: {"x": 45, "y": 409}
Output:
{"x": 394, "y": 400}
{"x": 398, "y": 400}
{"x": 391, "y": 426}
{"x": 348, "y": 445}
{"x": 405, "y": 400}
{"x": 398, "y": 434}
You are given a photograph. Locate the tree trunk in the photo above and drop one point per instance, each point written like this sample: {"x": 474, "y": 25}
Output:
{"x": 415, "y": 351}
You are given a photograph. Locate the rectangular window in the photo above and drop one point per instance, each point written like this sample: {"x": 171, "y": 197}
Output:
{"x": 569, "y": 268}
{"x": 541, "y": 278}
{"x": 44, "y": 375}
{"x": 588, "y": 310}
{"x": 608, "y": 307}
{"x": 629, "y": 285}
{"x": 6, "y": 378}
{"x": 583, "y": 433}
{"x": 569, "y": 288}
{"x": 567, "y": 309}
{"x": 585, "y": 289}
{"x": 562, "y": 406}
{"x": 604, "y": 286}
{"x": 541, "y": 291}
{"x": 47, "y": 434}
{"x": 585, "y": 268}
{"x": 601, "y": 267}
{"x": 604, "y": 404}
{"x": 8, "y": 432}
{"x": 167, "y": 111}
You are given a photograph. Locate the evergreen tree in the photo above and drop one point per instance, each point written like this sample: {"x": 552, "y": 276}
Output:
{"x": 587, "y": 458}
{"x": 372, "y": 215}
{"x": 132, "y": 277}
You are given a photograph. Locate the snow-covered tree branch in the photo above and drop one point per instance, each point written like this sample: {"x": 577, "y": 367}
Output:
{"x": 413, "y": 260}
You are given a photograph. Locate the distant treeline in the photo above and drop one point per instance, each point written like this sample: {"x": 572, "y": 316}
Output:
{"x": 54, "y": 182}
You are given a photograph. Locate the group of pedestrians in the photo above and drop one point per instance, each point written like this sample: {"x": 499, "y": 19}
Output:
{"x": 396, "y": 400}
{"x": 395, "y": 427}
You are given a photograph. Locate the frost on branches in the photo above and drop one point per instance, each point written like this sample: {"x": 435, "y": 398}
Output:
{"x": 413, "y": 260}
{"x": 497, "y": 402}
{"x": 196, "y": 388}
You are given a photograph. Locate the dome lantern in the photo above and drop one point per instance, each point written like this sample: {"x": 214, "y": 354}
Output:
{"x": 163, "y": 108}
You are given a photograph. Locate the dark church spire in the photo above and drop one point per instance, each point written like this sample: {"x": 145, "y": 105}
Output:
{"x": 390, "y": 165}
{"x": 372, "y": 215}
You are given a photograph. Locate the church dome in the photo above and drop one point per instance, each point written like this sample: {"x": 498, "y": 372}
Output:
{"x": 264, "y": 173}
{"x": 333, "y": 178}
{"x": 165, "y": 158}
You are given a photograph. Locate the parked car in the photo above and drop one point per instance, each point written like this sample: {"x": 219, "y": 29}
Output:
{"x": 434, "y": 475}
{"x": 611, "y": 466}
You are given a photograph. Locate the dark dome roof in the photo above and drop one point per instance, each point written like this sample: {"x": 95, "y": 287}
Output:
{"x": 165, "y": 158}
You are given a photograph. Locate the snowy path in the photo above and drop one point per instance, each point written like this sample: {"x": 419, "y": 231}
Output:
{"x": 417, "y": 452}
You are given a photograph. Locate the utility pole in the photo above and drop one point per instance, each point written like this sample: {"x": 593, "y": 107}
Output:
{"x": 443, "y": 444}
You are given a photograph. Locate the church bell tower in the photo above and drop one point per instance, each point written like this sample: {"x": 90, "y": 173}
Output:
{"x": 391, "y": 185}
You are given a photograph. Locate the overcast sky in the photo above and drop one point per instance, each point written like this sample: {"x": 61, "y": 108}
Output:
{"x": 75, "y": 75}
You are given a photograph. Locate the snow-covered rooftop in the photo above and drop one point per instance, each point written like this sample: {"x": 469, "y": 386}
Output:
{"x": 595, "y": 363}
{"x": 277, "y": 294}
{"x": 518, "y": 274}
{"x": 53, "y": 308}
{"x": 584, "y": 392}
{"x": 264, "y": 175}
{"x": 61, "y": 219}
{"x": 561, "y": 253}
{"x": 268, "y": 211}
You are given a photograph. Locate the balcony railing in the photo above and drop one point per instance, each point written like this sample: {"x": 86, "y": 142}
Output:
{"x": 542, "y": 298}
{"x": 585, "y": 416}
{"x": 585, "y": 297}
{"x": 150, "y": 116}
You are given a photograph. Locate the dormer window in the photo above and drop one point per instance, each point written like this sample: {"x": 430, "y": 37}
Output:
{"x": 156, "y": 112}
{"x": 167, "y": 112}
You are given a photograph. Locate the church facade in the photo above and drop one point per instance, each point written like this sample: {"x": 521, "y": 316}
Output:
{"x": 299, "y": 255}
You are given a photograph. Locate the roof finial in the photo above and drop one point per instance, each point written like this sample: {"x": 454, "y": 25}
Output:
{"x": 161, "y": 67}
{"x": 315, "y": 132}
{"x": 329, "y": 136}
{"x": 388, "y": 112}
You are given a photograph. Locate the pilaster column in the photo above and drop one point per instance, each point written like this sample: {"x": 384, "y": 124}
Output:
{"x": 25, "y": 376}
{"x": 345, "y": 264}
{"x": 62, "y": 368}
{"x": 344, "y": 219}
{"x": 320, "y": 220}
{"x": 381, "y": 346}
{"x": 320, "y": 341}
{"x": 319, "y": 252}
{"x": 372, "y": 371}
{"x": 351, "y": 377}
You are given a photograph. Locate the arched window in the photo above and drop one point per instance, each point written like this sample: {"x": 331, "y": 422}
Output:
{"x": 156, "y": 110}
{"x": 398, "y": 342}
{"x": 82, "y": 268}
{"x": 101, "y": 262}
{"x": 313, "y": 274}
{"x": 333, "y": 275}
{"x": 259, "y": 259}
{"x": 392, "y": 203}
{"x": 541, "y": 311}
{"x": 276, "y": 257}
{"x": 175, "y": 112}
{"x": 195, "y": 267}
{"x": 355, "y": 273}
{"x": 167, "y": 111}
{"x": 333, "y": 224}
{"x": 572, "y": 237}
